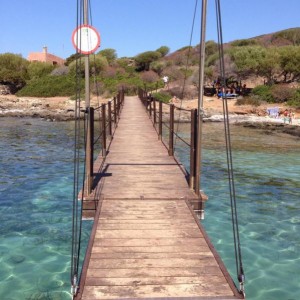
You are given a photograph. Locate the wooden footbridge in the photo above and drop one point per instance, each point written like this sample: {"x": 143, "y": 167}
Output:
{"x": 146, "y": 241}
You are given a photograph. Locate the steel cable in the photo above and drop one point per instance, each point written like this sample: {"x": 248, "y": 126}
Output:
{"x": 185, "y": 73}
{"x": 234, "y": 216}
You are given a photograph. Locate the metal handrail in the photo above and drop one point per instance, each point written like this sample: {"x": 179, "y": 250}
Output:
{"x": 157, "y": 119}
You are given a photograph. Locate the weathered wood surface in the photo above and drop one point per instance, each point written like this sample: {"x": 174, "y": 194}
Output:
{"x": 147, "y": 242}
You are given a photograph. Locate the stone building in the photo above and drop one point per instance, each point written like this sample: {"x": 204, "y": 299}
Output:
{"x": 44, "y": 56}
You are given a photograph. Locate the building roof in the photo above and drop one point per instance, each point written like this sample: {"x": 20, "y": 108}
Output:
{"x": 46, "y": 57}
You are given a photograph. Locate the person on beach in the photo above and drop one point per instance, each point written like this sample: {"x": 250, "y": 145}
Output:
{"x": 291, "y": 116}
{"x": 286, "y": 116}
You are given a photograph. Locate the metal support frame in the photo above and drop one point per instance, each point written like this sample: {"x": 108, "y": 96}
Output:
{"x": 109, "y": 118}
{"x": 115, "y": 112}
{"x": 193, "y": 148}
{"x": 200, "y": 98}
{"x": 103, "y": 119}
{"x": 171, "y": 131}
{"x": 89, "y": 150}
{"x": 154, "y": 112}
{"x": 160, "y": 121}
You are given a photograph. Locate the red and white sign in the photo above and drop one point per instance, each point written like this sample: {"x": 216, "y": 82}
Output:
{"x": 86, "y": 39}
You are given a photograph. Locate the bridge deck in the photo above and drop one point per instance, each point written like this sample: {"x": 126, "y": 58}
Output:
{"x": 146, "y": 242}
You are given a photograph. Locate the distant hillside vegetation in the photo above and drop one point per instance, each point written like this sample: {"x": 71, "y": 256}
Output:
{"x": 281, "y": 38}
{"x": 271, "y": 59}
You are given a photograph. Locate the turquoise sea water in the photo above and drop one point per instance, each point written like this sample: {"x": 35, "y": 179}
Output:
{"x": 36, "y": 178}
{"x": 267, "y": 181}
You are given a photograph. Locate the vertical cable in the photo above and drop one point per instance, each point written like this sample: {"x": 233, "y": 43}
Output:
{"x": 186, "y": 68}
{"x": 234, "y": 217}
{"x": 77, "y": 208}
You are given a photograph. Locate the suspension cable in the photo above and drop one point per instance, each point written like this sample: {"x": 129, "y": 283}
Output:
{"x": 94, "y": 60}
{"x": 77, "y": 207}
{"x": 186, "y": 68}
{"x": 234, "y": 216}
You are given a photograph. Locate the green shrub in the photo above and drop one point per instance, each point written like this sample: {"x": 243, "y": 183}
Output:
{"x": 263, "y": 93}
{"x": 110, "y": 86}
{"x": 39, "y": 69}
{"x": 295, "y": 99}
{"x": 292, "y": 35}
{"x": 211, "y": 59}
{"x": 244, "y": 42}
{"x": 97, "y": 65}
{"x": 281, "y": 93}
{"x": 13, "y": 69}
{"x": 248, "y": 101}
{"x": 49, "y": 86}
{"x": 164, "y": 97}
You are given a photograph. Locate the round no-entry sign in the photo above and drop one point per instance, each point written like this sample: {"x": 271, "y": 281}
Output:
{"x": 86, "y": 39}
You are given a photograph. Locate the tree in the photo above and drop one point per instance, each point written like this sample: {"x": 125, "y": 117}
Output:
{"x": 144, "y": 60}
{"x": 246, "y": 59}
{"x": 109, "y": 53}
{"x": 289, "y": 60}
{"x": 268, "y": 64}
{"x": 163, "y": 50}
{"x": 229, "y": 66}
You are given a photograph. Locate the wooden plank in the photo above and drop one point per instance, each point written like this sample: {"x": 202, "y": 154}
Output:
{"x": 158, "y": 263}
{"x": 171, "y": 250}
{"x": 156, "y": 291}
{"x": 154, "y": 272}
{"x": 162, "y": 233}
{"x": 154, "y": 226}
{"x": 151, "y": 255}
{"x": 146, "y": 243}
{"x": 138, "y": 281}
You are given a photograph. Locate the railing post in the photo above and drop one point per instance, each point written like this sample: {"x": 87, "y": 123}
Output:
{"x": 109, "y": 118}
{"x": 193, "y": 148}
{"x": 118, "y": 104}
{"x": 160, "y": 121}
{"x": 115, "y": 111}
{"x": 103, "y": 130}
{"x": 145, "y": 99}
{"x": 171, "y": 131}
{"x": 89, "y": 150}
{"x": 150, "y": 106}
{"x": 123, "y": 97}
{"x": 154, "y": 111}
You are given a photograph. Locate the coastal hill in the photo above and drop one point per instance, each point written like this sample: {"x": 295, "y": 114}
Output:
{"x": 281, "y": 38}
{"x": 270, "y": 64}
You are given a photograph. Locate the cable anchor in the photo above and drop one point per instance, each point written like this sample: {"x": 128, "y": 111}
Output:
{"x": 241, "y": 279}
{"x": 74, "y": 287}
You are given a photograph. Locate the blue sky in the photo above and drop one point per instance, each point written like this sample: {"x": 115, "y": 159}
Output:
{"x": 134, "y": 26}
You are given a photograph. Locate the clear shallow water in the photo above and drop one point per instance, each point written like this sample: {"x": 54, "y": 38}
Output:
{"x": 267, "y": 181}
{"x": 36, "y": 201}
{"x": 35, "y": 209}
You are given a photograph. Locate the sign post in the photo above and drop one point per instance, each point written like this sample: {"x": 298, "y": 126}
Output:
{"x": 86, "y": 40}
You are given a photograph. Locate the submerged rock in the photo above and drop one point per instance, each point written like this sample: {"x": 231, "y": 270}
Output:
{"x": 17, "y": 259}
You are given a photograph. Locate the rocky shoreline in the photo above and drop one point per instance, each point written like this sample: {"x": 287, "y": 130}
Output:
{"x": 50, "y": 109}
{"x": 62, "y": 109}
{"x": 11, "y": 106}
